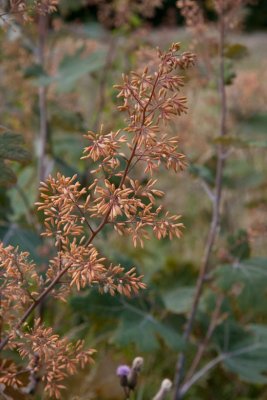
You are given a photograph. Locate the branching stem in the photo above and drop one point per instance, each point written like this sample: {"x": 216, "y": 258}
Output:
{"x": 104, "y": 221}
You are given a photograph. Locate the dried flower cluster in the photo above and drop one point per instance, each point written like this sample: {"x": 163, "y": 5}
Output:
{"x": 118, "y": 13}
{"x": 74, "y": 216}
{"x": 194, "y": 16}
{"x": 25, "y": 9}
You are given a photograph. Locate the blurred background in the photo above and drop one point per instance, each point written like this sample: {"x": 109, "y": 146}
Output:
{"x": 57, "y": 77}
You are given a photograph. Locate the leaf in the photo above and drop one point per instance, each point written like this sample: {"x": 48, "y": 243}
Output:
{"x": 7, "y": 176}
{"x": 249, "y": 358}
{"x": 34, "y": 71}
{"x": 254, "y": 125}
{"x": 229, "y": 73}
{"x": 72, "y": 68}
{"x": 238, "y": 245}
{"x": 202, "y": 172}
{"x": 243, "y": 350}
{"x": 238, "y": 173}
{"x": 179, "y": 300}
{"x": 235, "y": 51}
{"x": 251, "y": 366}
{"x": 26, "y": 187}
{"x": 246, "y": 271}
{"x": 143, "y": 330}
{"x": 233, "y": 141}
{"x": 11, "y": 147}
{"x": 251, "y": 277}
{"x": 25, "y": 239}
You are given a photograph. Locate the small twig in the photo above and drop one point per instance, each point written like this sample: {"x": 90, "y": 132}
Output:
{"x": 23, "y": 280}
{"x": 222, "y": 357}
{"x": 83, "y": 215}
{"x": 208, "y": 190}
{"x": 203, "y": 346}
{"x": 42, "y": 26}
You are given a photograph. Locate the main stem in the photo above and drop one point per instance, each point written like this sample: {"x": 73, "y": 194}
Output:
{"x": 215, "y": 221}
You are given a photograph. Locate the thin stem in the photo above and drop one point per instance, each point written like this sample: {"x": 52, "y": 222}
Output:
{"x": 42, "y": 30}
{"x": 222, "y": 357}
{"x": 203, "y": 346}
{"x": 23, "y": 280}
{"x": 83, "y": 215}
{"x": 179, "y": 372}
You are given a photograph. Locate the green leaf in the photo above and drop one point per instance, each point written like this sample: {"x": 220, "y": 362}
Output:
{"x": 249, "y": 358}
{"x": 25, "y": 239}
{"x": 179, "y": 300}
{"x": 26, "y": 187}
{"x": 235, "y": 51}
{"x": 238, "y": 245}
{"x": 243, "y": 349}
{"x": 34, "y": 71}
{"x": 7, "y": 176}
{"x": 202, "y": 172}
{"x": 246, "y": 271}
{"x": 11, "y": 147}
{"x": 233, "y": 141}
{"x": 250, "y": 276}
{"x": 229, "y": 73}
{"x": 143, "y": 330}
{"x": 251, "y": 366}
{"x": 74, "y": 67}
{"x": 254, "y": 125}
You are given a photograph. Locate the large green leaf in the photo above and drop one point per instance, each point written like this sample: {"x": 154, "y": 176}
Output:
{"x": 179, "y": 300}
{"x": 25, "y": 239}
{"x": 250, "y": 366}
{"x": 142, "y": 329}
{"x": 202, "y": 172}
{"x": 7, "y": 176}
{"x": 74, "y": 67}
{"x": 254, "y": 125}
{"x": 249, "y": 358}
{"x": 11, "y": 147}
{"x": 23, "y": 195}
{"x": 250, "y": 278}
{"x": 235, "y": 51}
{"x": 247, "y": 271}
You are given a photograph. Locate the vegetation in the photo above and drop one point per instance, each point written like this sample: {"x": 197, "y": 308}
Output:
{"x": 189, "y": 317}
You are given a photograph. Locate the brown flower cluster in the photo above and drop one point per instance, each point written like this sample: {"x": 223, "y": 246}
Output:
{"x": 75, "y": 215}
{"x": 50, "y": 358}
{"x": 25, "y": 9}
{"x": 118, "y": 13}
{"x": 19, "y": 280}
{"x": 231, "y": 11}
{"x": 193, "y": 14}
